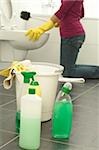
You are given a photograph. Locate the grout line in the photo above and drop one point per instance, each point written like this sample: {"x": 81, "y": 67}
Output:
{"x": 66, "y": 143}
{"x": 84, "y": 93}
{"x": 10, "y": 110}
{"x": 8, "y": 142}
{"x": 60, "y": 142}
{"x": 89, "y": 108}
{"x": 7, "y": 94}
{"x": 7, "y": 131}
{"x": 7, "y": 103}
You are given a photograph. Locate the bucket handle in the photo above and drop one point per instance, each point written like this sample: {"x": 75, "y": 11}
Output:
{"x": 72, "y": 80}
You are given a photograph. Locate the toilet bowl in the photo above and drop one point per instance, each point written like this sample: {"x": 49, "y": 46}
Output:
{"x": 12, "y": 34}
{"x": 18, "y": 40}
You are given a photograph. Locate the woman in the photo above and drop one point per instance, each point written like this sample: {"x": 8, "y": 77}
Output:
{"x": 72, "y": 37}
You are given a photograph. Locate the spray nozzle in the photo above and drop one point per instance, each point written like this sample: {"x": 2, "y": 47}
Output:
{"x": 28, "y": 76}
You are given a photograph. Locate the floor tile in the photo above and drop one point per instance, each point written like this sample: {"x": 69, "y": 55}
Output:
{"x": 12, "y": 105}
{"x": 4, "y": 99}
{"x": 89, "y": 99}
{"x": 7, "y": 120}
{"x": 45, "y": 145}
{"x": 5, "y": 137}
{"x": 10, "y": 91}
{"x": 85, "y": 128}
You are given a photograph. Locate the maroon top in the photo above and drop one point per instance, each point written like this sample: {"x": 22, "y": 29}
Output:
{"x": 70, "y": 13}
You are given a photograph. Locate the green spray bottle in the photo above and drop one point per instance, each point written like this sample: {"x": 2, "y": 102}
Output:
{"x": 27, "y": 76}
{"x": 62, "y": 113}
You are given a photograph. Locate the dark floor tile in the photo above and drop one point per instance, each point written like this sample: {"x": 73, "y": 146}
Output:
{"x": 51, "y": 145}
{"x": 82, "y": 135}
{"x": 1, "y": 80}
{"x": 46, "y": 130}
{"x": 90, "y": 148}
{"x": 10, "y": 106}
{"x": 95, "y": 142}
{"x": 11, "y": 91}
{"x": 89, "y": 99}
{"x": 5, "y": 137}
{"x": 7, "y": 120}
{"x": 4, "y": 98}
{"x": 84, "y": 115}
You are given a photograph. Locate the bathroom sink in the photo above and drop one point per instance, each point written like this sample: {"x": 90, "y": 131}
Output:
{"x": 18, "y": 40}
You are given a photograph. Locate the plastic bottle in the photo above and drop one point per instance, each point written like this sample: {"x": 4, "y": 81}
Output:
{"x": 62, "y": 113}
{"x": 26, "y": 81}
{"x": 30, "y": 124}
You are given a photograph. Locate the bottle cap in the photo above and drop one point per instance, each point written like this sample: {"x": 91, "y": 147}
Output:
{"x": 31, "y": 91}
{"x": 67, "y": 87}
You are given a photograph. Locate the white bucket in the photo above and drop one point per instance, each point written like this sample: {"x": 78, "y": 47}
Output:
{"x": 48, "y": 76}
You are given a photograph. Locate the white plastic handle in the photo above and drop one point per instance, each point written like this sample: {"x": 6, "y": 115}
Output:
{"x": 72, "y": 80}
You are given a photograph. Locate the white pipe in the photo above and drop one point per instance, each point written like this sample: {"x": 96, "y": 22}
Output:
{"x": 72, "y": 80}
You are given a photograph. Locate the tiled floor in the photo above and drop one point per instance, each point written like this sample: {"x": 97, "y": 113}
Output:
{"x": 85, "y": 131}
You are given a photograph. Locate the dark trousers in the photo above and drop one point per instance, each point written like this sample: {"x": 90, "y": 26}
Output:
{"x": 69, "y": 51}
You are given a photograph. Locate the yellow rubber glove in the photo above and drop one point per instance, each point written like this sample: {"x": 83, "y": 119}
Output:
{"x": 35, "y": 33}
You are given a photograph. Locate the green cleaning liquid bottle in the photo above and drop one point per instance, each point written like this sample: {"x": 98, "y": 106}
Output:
{"x": 30, "y": 121}
{"x": 62, "y": 113}
{"x": 26, "y": 81}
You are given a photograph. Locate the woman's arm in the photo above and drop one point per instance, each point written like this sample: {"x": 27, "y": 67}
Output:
{"x": 55, "y": 20}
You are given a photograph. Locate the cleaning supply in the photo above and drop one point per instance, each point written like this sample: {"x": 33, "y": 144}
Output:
{"x": 17, "y": 66}
{"x": 12, "y": 70}
{"x": 9, "y": 73}
{"x": 30, "y": 121}
{"x": 27, "y": 76}
{"x": 62, "y": 113}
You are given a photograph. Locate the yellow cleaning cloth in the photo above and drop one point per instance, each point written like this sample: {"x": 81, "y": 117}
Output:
{"x": 17, "y": 66}
{"x": 10, "y": 73}
{"x": 5, "y": 72}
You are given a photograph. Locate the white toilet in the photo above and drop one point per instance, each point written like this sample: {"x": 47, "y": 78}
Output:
{"x": 13, "y": 43}
{"x": 7, "y": 53}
